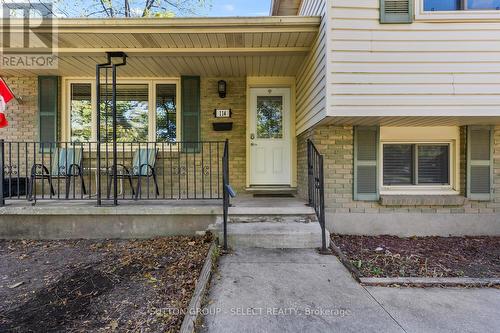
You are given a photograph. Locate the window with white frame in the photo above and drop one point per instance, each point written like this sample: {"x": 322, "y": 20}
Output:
{"x": 456, "y": 5}
{"x": 409, "y": 164}
{"x": 166, "y": 113}
{"x": 132, "y": 112}
{"x": 419, "y": 160}
{"x": 146, "y": 111}
{"x": 80, "y": 112}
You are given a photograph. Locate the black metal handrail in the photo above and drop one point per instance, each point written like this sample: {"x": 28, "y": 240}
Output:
{"x": 316, "y": 188}
{"x": 140, "y": 170}
{"x": 226, "y": 189}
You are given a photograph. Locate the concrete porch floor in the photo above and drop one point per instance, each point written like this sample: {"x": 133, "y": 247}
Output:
{"x": 55, "y": 219}
{"x": 242, "y": 204}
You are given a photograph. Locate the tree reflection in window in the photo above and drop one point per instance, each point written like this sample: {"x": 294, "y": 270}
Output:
{"x": 131, "y": 113}
{"x": 81, "y": 112}
{"x": 166, "y": 113}
{"x": 270, "y": 117}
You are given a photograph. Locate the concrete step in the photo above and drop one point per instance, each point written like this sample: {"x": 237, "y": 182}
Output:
{"x": 271, "y": 190}
{"x": 270, "y": 210}
{"x": 281, "y": 218}
{"x": 271, "y": 235}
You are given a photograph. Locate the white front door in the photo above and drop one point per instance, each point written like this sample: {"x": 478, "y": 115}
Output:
{"x": 270, "y": 137}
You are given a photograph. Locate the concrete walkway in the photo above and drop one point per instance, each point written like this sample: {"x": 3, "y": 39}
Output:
{"x": 260, "y": 290}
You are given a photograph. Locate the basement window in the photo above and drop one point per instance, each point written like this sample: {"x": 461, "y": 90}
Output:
{"x": 416, "y": 166}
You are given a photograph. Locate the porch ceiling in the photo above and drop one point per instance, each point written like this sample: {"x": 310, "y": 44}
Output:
{"x": 272, "y": 46}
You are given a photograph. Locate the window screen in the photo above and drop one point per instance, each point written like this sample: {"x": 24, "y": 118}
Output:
{"x": 131, "y": 111}
{"x": 433, "y": 164}
{"x": 414, "y": 164}
{"x": 166, "y": 113}
{"x": 398, "y": 165}
{"x": 81, "y": 112}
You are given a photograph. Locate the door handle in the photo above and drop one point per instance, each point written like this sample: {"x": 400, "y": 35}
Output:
{"x": 252, "y": 136}
{"x": 253, "y": 144}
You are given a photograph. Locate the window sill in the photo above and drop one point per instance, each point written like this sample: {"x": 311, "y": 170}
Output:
{"x": 422, "y": 200}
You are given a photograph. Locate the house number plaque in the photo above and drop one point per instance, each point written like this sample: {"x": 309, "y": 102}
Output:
{"x": 222, "y": 113}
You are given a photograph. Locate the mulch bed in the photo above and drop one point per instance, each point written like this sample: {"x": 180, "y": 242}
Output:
{"x": 389, "y": 256}
{"x": 94, "y": 286}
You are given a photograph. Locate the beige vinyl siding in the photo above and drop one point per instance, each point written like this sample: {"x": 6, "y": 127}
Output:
{"x": 311, "y": 77}
{"x": 418, "y": 69}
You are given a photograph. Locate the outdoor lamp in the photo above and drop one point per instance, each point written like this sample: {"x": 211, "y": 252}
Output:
{"x": 222, "y": 88}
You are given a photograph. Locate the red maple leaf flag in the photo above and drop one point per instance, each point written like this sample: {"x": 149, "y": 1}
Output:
{"x": 5, "y": 96}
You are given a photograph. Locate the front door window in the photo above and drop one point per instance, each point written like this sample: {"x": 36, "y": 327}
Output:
{"x": 270, "y": 117}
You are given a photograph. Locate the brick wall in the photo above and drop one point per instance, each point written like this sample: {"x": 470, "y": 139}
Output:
{"x": 336, "y": 144}
{"x": 22, "y": 116}
{"x": 236, "y": 101}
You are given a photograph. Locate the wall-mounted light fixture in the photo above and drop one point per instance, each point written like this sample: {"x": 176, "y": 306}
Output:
{"x": 222, "y": 88}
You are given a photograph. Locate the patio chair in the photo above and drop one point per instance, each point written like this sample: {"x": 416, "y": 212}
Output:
{"x": 143, "y": 165}
{"x": 66, "y": 163}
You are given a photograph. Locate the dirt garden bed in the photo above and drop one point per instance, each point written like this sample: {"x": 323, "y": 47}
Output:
{"x": 430, "y": 257}
{"x": 88, "y": 286}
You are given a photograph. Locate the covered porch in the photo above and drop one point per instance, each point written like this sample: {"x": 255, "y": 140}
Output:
{"x": 179, "y": 139}
{"x": 166, "y": 117}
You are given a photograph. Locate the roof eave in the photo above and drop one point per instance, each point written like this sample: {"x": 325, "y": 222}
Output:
{"x": 173, "y": 23}
{"x": 276, "y": 8}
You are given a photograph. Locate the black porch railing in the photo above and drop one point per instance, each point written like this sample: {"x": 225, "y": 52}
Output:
{"x": 316, "y": 188}
{"x": 36, "y": 171}
{"x": 227, "y": 191}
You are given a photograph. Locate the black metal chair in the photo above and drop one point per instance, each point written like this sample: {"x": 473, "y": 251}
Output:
{"x": 143, "y": 165}
{"x": 66, "y": 163}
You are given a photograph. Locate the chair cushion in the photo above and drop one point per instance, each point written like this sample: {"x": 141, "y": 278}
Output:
{"x": 63, "y": 158}
{"x": 144, "y": 157}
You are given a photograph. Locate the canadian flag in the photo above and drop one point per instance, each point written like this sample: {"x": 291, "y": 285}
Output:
{"x": 5, "y": 96}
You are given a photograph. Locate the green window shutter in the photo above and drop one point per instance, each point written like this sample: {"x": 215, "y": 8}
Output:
{"x": 190, "y": 92}
{"x": 48, "y": 104}
{"x": 365, "y": 163}
{"x": 396, "y": 11}
{"x": 479, "y": 162}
